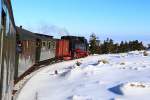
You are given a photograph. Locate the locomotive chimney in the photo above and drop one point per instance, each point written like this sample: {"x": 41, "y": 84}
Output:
{"x": 21, "y": 26}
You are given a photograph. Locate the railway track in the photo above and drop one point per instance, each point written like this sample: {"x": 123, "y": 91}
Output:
{"x": 33, "y": 69}
{"x": 27, "y": 75}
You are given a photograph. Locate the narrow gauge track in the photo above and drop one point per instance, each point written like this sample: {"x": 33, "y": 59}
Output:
{"x": 34, "y": 68}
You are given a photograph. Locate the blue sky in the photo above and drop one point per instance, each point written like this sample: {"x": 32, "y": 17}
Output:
{"x": 118, "y": 19}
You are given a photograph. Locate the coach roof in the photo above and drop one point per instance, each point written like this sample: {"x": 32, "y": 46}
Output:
{"x": 28, "y": 35}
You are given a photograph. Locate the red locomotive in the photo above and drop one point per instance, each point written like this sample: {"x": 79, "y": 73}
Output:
{"x": 71, "y": 47}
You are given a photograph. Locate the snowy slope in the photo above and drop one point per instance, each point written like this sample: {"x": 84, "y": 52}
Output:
{"x": 99, "y": 77}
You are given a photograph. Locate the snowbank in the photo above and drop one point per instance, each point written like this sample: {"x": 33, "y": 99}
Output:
{"x": 100, "y": 77}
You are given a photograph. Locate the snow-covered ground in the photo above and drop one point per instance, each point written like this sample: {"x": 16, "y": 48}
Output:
{"x": 100, "y": 77}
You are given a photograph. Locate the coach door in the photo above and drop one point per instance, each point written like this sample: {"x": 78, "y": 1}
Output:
{"x": 38, "y": 50}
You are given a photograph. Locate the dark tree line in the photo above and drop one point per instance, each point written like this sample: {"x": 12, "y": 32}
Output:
{"x": 108, "y": 46}
{"x": 94, "y": 48}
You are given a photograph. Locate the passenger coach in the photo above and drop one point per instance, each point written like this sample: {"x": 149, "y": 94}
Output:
{"x": 32, "y": 49}
{"x": 7, "y": 50}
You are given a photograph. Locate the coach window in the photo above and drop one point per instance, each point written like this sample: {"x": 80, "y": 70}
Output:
{"x": 7, "y": 23}
{"x": 49, "y": 45}
{"x": 3, "y": 21}
{"x": 27, "y": 44}
{"x": 44, "y": 44}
